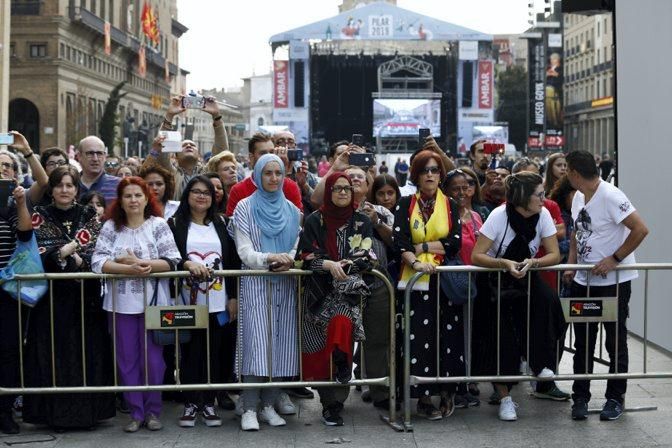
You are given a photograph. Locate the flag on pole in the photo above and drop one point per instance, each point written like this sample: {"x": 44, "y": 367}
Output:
{"x": 150, "y": 23}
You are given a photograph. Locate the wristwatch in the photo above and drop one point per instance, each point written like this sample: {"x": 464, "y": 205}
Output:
{"x": 425, "y": 247}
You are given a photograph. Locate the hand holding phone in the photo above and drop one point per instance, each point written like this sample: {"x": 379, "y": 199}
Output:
{"x": 357, "y": 140}
{"x": 7, "y": 187}
{"x": 193, "y": 102}
{"x": 423, "y": 133}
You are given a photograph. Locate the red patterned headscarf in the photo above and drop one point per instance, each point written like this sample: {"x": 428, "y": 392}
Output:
{"x": 335, "y": 217}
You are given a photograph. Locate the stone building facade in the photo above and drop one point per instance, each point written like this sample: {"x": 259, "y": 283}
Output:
{"x": 61, "y": 76}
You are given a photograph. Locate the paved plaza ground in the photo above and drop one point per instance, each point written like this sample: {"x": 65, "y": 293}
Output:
{"x": 541, "y": 424}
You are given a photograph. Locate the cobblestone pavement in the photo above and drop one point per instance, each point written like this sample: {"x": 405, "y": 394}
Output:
{"x": 541, "y": 423}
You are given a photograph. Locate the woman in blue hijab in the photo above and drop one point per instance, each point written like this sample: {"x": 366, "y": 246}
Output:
{"x": 267, "y": 229}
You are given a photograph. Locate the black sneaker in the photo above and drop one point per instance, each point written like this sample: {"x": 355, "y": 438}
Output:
{"x": 612, "y": 410}
{"x": 466, "y": 401}
{"x": 7, "y": 424}
{"x": 580, "y": 409}
{"x": 300, "y": 392}
{"x": 332, "y": 417}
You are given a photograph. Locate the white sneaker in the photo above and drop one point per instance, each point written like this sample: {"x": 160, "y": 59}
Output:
{"x": 249, "y": 421}
{"x": 284, "y": 405}
{"x": 507, "y": 410}
{"x": 271, "y": 417}
{"x": 239, "y": 406}
{"x": 546, "y": 373}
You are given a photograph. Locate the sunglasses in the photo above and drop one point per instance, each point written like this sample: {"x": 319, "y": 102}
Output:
{"x": 431, "y": 170}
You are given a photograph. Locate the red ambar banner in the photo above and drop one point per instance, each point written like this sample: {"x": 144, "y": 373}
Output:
{"x": 485, "y": 84}
{"x": 281, "y": 84}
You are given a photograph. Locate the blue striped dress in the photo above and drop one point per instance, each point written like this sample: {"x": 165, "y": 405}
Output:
{"x": 254, "y": 329}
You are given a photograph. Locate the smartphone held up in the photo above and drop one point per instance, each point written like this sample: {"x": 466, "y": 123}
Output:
{"x": 6, "y": 139}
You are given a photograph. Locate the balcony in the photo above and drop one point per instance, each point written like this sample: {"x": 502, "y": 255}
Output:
{"x": 29, "y": 8}
{"x": 95, "y": 23}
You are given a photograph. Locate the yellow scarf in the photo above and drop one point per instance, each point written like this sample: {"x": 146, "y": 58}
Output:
{"x": 438, "y": 226}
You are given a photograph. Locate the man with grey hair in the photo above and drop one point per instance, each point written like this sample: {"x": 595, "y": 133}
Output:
{"x": 91, "y": 154}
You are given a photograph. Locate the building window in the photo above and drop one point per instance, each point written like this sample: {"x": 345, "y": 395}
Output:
{"x": 12, "y": 49}
{"x": 598, "y": 28}
{"x": 260, "y": 121}
{"x": 38, "y": 50}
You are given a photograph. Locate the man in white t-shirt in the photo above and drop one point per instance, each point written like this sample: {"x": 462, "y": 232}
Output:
{"x": 607, "y": 230}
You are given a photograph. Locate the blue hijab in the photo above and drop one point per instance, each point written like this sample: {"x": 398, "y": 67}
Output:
{"x": 277, "y": 218}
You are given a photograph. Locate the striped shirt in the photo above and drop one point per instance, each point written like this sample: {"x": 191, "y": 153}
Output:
{"x": 105, "y": 185}
{"x": 7, "y": 238}
{"x": 256, "y": 293}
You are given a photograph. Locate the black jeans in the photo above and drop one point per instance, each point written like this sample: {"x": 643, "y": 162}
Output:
{"x": 615, "y": 388}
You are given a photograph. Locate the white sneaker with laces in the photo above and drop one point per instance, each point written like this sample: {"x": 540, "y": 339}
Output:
{"x": 271, "y": 417}
{"x": 283, "y": 405}
{"x": 249, "y": 421}
{"x": 210, "y": 417}
{"x": 507, "y": 410}
{"x": 546, "y": 373}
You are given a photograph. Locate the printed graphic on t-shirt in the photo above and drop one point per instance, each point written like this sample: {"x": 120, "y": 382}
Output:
{"x": 584, "y": 229}
{"x": 213, "y": 260}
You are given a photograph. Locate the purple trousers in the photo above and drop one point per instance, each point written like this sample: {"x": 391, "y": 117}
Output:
{"x": 131, "y": 364}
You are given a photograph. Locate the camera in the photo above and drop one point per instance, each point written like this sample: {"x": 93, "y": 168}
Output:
{"x": 361, "y": 159}
{"x": 193, "y": 102}
{"x": 357, "y": 140}
{"x": 295, "y": 155}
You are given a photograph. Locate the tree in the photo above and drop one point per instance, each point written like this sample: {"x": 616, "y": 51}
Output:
{"x": 110, "y": 119}
{"x": 513, "y": 103}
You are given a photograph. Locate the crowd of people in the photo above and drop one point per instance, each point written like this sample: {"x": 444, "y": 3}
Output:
{"x": 180, "y": 212}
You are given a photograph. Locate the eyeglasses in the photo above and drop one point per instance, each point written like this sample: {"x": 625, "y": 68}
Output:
{"x": 7, "y": 165}
{"x": 341, "y": 189}
{"x": 200, "y": 193}
{"x": 111, "y": 164}
{"x": 541, "y": 195}
{"x": 430, "y": 170}
{"x": 54, "y": 163}
{"x": 94, "y": 154}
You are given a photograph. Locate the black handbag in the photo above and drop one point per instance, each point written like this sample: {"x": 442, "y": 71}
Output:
{"x": 167, "y": 337}
{"x": 509, "y": 289}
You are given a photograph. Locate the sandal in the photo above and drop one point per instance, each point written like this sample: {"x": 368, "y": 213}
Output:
{"x": 429, "y": 411}
{"x": 447, "y": 404}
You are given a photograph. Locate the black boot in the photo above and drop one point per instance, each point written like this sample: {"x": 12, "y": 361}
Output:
{"x": 7, "y": 423}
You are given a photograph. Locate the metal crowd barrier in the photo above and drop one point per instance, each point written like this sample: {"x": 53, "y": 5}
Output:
{"x": 609, "y": 314}
{"x": 197, "y": 318}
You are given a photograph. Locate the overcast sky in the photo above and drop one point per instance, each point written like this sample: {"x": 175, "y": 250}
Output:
{"x": 228, "y": 40}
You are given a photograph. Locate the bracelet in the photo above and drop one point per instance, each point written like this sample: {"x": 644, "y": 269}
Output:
{"x": 30, "y": 154}
{"x": 415, "y": 261}
{"x": 168, "y": 123}
{"x": 425, "y": 247}
{"x": 218, "y": 117}
{"x": 154, "y": 153}
{"x": 615, "y": 257}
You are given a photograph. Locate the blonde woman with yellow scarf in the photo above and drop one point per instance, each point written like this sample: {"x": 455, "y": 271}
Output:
{"x": 427, "y": 229}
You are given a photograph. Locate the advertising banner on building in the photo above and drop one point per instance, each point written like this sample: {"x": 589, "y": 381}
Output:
{"x": 108, "y": 38}
{"x": 142, "y": 62}
{"x": 537, "y": 89}
{"x": 554, "y": 139}
{"x": 485, "y": 84}
{"x": 280, "y": 84}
